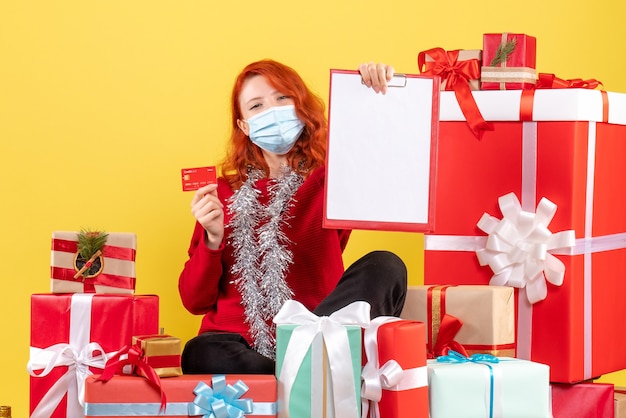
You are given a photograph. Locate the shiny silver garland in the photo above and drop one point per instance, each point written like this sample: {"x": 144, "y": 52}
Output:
{"x": 261, "y": 252}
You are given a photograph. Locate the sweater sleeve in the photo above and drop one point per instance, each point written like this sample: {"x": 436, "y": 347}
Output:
{"x": 198, "y": 283}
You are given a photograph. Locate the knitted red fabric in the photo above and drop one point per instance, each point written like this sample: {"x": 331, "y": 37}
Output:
{"x": 206, "y": 285}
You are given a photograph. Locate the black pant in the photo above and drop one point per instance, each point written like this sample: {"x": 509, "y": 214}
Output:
{"x": 379, "y": 278}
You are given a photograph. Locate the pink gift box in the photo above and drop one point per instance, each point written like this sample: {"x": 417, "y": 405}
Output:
{"x": 582, "y": 400}
{"x": 130, "y": 396}
{"x": 70, "y": 333}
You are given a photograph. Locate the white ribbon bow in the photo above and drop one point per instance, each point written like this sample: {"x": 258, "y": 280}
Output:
{"x": 518, "y": 247}
{"x": 73, "y": 381}
{"x": 390, "y": 376}
{"x": 335, "y": 336}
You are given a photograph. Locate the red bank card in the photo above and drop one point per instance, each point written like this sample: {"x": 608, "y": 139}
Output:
{"x": 194, "y": 178}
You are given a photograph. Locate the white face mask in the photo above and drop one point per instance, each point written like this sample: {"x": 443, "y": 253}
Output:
{"x": 276, "y": 129}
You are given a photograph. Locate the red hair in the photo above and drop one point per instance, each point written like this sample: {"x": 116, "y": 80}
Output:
{"x": 308, "y": 153}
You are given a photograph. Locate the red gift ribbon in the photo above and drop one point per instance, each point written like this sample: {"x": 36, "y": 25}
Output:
{"x": 449, "y": 326}
{"x": 551, "y": 81}
{"x": 104, "y": 279}
{"x": 109, "y": 251}
{"x": 136, "y": 359}
{"x": 457, "y": 75}
{"x": 158, "y": 362}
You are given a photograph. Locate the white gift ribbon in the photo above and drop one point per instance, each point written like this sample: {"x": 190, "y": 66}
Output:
{"x": 335, "y": 337}
{"x": 79, "y": 355}
{"x": 518, "y": 247}
{"x": 390, "y": 376}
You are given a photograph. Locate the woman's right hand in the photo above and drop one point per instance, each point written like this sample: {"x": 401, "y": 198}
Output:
{"x": 209, "y": 212}
{"x": 376, "y": 75}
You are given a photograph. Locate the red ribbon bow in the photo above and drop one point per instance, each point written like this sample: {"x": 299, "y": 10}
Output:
{"x": 551, "y": 81}
{"x": 449, "y": 327}
{"x": 457, "y": 75}
{"x": 136, "y": 359}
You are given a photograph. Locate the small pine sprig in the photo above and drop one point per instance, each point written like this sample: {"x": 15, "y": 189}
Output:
{"x": 505, "y": 49}
{"x": 90, "y": 242}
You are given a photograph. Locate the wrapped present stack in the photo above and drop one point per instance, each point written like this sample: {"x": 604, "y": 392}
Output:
{"x": 91, "y": 314}
{"x": 509, "y": 321}
{"x": 345, "y": 365}
{"x": 531, "y": 188}
{"x": 96, "y": 349}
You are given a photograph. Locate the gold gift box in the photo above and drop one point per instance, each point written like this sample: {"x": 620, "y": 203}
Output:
{"x": 487, "y": 314}
{"x": 162, "y": 353}
{"x": 620, "y": 402}
{"x": 464, "y": 55}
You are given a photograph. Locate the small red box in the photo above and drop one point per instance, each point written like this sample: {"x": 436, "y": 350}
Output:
{"x": 582, "y": 400}
{"x": 517, "y": 70}
{"x": 80, "y": 324}
{"x": 404, "y": 342}
{"x": 130, "y": 396}
{"x": 568, "y": 155}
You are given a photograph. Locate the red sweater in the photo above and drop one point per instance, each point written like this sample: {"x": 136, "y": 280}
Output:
{"x": 206, "y": 284}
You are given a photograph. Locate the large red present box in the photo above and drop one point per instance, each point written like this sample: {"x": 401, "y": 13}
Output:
{"x": 582, "y": 400}
{"x": 517, "y": 70}
{"x": 72, "y": 335}
{"x": 395, "y": 377}
{"x": 565, "y": 151}
{"x": 116, "y": 265}
{"x": 130, "y": 396}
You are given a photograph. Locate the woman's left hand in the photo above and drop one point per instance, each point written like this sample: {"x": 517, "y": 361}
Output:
{"x": 376, "y": 75}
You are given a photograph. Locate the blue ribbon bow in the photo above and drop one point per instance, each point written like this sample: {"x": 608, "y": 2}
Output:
{"x": 221, "y": 401}
{"x": 456, "y": 357}
{"x": 479, "y": 358}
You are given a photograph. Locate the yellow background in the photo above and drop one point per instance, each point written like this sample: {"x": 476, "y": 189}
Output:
{"x": 103, "y": 102}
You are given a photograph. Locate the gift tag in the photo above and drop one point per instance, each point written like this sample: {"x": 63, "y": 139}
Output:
{"x": 194, "y": 178}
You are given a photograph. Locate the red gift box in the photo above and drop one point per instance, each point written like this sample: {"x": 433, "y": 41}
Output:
{"x": 582, "y": 400}
{"x": 72, "y": 335}
{"x": 517, "y": 70}
{"x": 129, "y": 396}
{"x": 117, "y": 262}
{"x": 569, "y": 156}
{"x": 395, "y": 382}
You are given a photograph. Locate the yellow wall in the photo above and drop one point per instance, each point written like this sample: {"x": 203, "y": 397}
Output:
{"x": 103, "y": 102}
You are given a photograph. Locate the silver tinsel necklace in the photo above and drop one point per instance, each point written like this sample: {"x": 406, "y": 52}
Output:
{"x": 261, "y": 252}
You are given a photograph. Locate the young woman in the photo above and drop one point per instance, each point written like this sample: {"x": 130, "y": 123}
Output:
{"x": 258, "y": 239}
